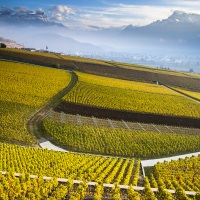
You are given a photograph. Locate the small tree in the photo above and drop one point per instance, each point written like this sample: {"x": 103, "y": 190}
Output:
{"x": 2, "y": 45}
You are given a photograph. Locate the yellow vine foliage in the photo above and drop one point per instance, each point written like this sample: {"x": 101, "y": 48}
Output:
{"x": 130, "y": 95}
{"x": 24, "y": 88}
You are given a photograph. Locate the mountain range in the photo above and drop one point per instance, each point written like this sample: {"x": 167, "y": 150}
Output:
{"x": 179, "y": 30}
{"x": 25, "y": 17}
{"x": 10, "y": 43}
{"x": 182, "y": 29}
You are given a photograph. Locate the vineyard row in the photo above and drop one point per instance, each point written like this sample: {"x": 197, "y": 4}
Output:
{"x": 93, "y": 121}
{"x": 105, "y": 185}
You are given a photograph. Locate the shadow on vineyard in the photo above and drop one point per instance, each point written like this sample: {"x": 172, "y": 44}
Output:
{"x": 103, "y": 68}
{"x": 72, "y": 108}
{"x": 118, "y": 71}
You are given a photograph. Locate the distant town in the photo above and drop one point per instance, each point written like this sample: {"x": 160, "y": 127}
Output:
{"x": 184, "y": 63}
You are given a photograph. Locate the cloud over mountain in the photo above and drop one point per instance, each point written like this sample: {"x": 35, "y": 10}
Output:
{"x": 181, "y": 29}
{"x": 23, "y": 16}
{"x": 61, "y": 12}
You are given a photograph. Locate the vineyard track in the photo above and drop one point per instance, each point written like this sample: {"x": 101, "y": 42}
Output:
{"x": 46, "y": 144}
{"x": 150, "y": 163}
{"x": 35, "y": 121}
{"x": 85, "y": 110}
{"x": 186, "y": 95}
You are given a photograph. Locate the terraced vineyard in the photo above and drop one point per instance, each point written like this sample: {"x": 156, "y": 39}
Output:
{"x": 25, "y": 88}
{"x": 184, "y": 173}
{"x": 68, "y": 165}
{"x": 138, "y": 73}
{"x": 132, "y": 96}
{"x": 189, "y": 93}
{"x": 149, "y": 69}
{"x": 122, "y": 142}
{"x": 177, "y": 175}
{"x": 127, "y": 125}
{"x": 26, "y": 188}
{"x": 46, "y": 59}
{"x": 106, "y": 68}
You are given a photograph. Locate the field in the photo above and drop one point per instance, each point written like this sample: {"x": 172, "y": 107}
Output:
{"x": 127, "y": 125}
{"x": 25, "y": 88}
{"x": 139, "y": 74}
{"x": 45, "y": 59}
{"x": 106, "y": 68}
{"x": 132, "y": 96}
{"x": 37, "y": 58}
{"x": 149, "y": 69}
{"x": 26, "y": 188}
{"x": 184, "y": 172}
{"x": 84, "y": 167}
{"x": 121, "y": 142}
{"x": 33, "y": 92}
{"x": 189, "y": 93}
{"x": 68, "y": 165}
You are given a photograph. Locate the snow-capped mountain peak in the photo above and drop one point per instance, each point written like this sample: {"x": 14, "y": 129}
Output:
{"x": 183, "y": 17}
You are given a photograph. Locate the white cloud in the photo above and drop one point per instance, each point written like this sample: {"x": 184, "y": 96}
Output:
{"x": 123, "y": 14}
{"x": 62, "y": 9}
{"x": 191, "y": 6}
{"x": 190, "y": 3}
{"x": 61, "y": 12}
{"x": 59, "y": 17}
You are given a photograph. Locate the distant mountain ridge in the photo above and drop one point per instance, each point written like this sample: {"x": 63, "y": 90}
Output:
{"x": 177, "y": 18}
{"x": 182, "y": 17}
{"x": 180, "y": 28}
{"x": 26, "y": 17}
{"x": 56, "y": 42}
{"x": 10, "y": 43}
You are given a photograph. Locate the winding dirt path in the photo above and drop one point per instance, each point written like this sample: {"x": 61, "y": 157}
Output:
{"x": 34, "y": 124}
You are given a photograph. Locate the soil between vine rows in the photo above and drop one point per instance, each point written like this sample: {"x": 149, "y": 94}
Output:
{"x": 85, "y": 110}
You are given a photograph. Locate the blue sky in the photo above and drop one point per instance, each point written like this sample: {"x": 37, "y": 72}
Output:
{"x": 106, "y": 13}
